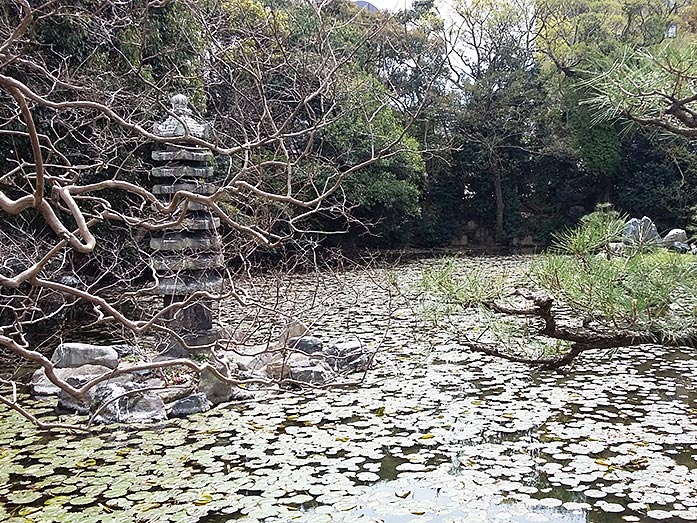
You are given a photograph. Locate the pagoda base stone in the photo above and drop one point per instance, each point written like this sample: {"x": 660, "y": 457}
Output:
{"x": 194, "y": 343}
{"x": 197, "y": 317}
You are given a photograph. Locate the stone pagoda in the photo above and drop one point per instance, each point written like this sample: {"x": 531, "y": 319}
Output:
{"x": 187, "y": 258}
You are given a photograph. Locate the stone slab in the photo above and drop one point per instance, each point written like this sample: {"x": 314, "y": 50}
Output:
{"x": 42, "y": 386}
{"x": 182, "y": 171}
{"x": 196, "y": 188}
{"x": 192, "y": 404}
{"x": 186, "y": 155}
{"x": 79, "y": 354}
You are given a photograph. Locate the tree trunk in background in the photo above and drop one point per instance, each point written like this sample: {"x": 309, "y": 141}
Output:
{"x": 604, "y": 189}
{"x": 498, "y": 191}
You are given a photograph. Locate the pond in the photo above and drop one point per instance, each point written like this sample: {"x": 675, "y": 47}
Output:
{"x": 435, "y": 434}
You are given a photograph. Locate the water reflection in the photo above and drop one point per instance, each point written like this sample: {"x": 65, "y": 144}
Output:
{"x": 435, "y": 505}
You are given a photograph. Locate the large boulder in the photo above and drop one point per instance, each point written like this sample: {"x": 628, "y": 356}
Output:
{"x": 125, "y": 403}
{"x": 642, "y": 232}
{"x": 192, "y": 404}
{"x": 348, "y": 356}
{"x": 317, "y": 374}
{"x": 292, "y": 330}
{"x": 675, "y": 236}
{"x": 300, "y": 367}
{"x": 281, "y": 365}
{"x": 42, "y": 386}
{"x": 259, "y": 356}
{"x": 67, "y": 403}
{"x": 306, "y": 344}
{"x": 216, "y": 390}
{"x": 79, "y": 354}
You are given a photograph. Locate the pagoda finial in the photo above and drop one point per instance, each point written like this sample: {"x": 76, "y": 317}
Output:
{"x": 183, "y": 123}
{"x": 180, "y": 104}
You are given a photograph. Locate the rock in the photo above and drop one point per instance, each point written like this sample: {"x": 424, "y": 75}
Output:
{"x": 348, "y": 356}
{"x": 258, "y": 357}
{"x": 67, "y": 403}
{"x": 184, "y": 284}
{"x": 182, "y": 171}
{"x": 317, "y": 374}
{"x": 641, "y": 231}
{"x": 299, "y": 367}
{"x": 242, "y": 394}
{"x": 196, "y": 155}
{"x": 79, "y": 354}
{"x": 280, "y": 365}
{"x": 69, "y": 280}
{"x": 171, "y": 349}
{"x": 180, "y": 242}
{"x": 192, "y": 404}
{"x": 306, "y": 344}
{"x": 124, "y": 349}
{"x": 215, "y": 390}
{"x": 172, "y": 394}
{"x": 680, "y": 247}
{"x": 617, "y": 248}
{"x": 187, "y": 262}
{"x": 675, "y": 236}
{"x": 130, "y": 407}
{"x": 42, "y": 386}
{"x": 292, "y": 330}
{"x": 526, "y": 241}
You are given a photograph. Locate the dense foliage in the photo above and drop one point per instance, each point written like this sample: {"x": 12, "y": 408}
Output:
{"x": 511, "y": 114}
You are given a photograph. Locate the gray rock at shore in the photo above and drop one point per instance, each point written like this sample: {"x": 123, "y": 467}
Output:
{"x": 216, "y": 390}
{"x": 192, "y": 404}
{"x": 306, "y": 344}
{"x": 348, "y": 356}
{"x": 42, "y": 386}
{"x": 125, "y": 403}
{"x": 79, "y": 354}
{"x": 317, "y": 374}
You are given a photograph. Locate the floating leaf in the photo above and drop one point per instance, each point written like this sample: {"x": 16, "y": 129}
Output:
{"x": 203, "y": 499}
{"x": 23, "y": 497}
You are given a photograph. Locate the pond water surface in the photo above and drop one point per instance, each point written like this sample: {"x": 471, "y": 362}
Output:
{"x": 435, "y": 434}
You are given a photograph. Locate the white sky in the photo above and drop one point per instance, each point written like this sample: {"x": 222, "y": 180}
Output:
{"x": 392, "y": 5}
{"x": 396, "y": 5}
